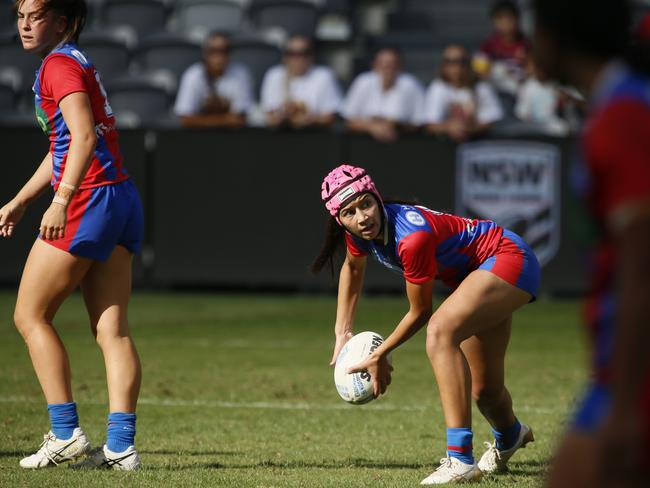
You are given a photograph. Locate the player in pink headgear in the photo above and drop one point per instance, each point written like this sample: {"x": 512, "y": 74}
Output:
{"x": 492, "y": 272}
{"x": 344, "y": 182}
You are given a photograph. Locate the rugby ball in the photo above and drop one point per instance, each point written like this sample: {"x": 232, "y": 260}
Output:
{"x": 356, "y": 388}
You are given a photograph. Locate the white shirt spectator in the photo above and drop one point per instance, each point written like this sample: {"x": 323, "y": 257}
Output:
{"x": 235, "y": 85}
{"x": 537, "y": 102}
{"x": 317, "y": 89}
{"x": 367, "y": 99}
{"x": 442, "y": 98}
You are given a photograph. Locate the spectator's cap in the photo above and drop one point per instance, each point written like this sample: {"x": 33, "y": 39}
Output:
{"x": 343, "y": 184}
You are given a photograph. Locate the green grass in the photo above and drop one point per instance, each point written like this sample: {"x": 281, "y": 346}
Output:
{"x": 237, "y": 392}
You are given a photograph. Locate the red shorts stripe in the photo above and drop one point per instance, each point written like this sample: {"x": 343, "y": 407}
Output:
{"x": 75, "y": 213}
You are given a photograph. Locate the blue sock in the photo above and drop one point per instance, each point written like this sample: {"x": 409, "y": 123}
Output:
{"x": 507, "y": 438}
{"x": 459, "y": 444}
{"x": 121, "y": 431}
{"x": 63, "y": 419}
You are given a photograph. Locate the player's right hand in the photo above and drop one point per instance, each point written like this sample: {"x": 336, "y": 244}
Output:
{"x": 340, "y": 342}
{"x": 10, "y": 215}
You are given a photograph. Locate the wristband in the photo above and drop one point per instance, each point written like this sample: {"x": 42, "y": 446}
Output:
{"x": 67, "y": 185}
{"x": 60, "y": 200}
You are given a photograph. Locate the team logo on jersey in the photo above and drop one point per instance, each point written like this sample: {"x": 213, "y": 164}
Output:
{"x": 516, "y": 184}
{"x": 415, "y": 218}
{"x": 42, "y": 119}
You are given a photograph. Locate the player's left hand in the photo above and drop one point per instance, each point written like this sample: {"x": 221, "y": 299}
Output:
{"x": 379, "y": 369}
{"x": 53, "y": 222}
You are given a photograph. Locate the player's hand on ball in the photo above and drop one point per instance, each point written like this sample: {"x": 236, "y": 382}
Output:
{"x": 379, "y": 369}
{"x": 10, "y": 215}
{"x": 338, "y": 345}
{"x": 53, "y": 222}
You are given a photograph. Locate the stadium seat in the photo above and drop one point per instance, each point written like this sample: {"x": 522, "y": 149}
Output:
{"x": 257, "y": 55}
{"x": 196, "y": 18}
{"x": 14, "y": 58}
{"x": 110, "y": 54}
{"x": 138, "y": 101}
{"x": 291, "y": 16}
{"x": 145, "y": 17}
{"x": 7, "y": 96}
{"x": 167, "y": 53}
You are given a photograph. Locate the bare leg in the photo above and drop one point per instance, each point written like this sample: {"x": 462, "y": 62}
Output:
{"x": 478, "y": 305}
{"x": 107, "y": 289}
{"x": 485, "y": 353}
{"x": 49, "y": 277}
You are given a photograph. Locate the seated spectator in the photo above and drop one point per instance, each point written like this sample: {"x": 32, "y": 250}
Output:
{"x": 385, "y": 101}
{"x": 502, "y": 57}
{"x": 297, "y": 93}
{"x": 456, "y": 104}
{"x": 214, "y": 92}
{"x": 540, "y": 102}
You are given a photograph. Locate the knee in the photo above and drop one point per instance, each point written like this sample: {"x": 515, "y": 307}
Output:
{"x": 107, "y": 336}
{"x": 440, "y": 335}
{"x": 485, "y": 395}
{"x": 25, "y": 321}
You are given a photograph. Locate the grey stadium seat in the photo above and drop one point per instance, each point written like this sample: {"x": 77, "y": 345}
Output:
{"x": 8, "y": 97}
{"x": 292, "y": 16}
{"x": 111, "y": 56}
{"x": 258, "y": 56}
{"x": 196, "y": 18}
{"x": 25, "y": 65}
{"x": 145, "y": 17}
{"x": 137, "y": 101}
{"x": 168, "y": 53}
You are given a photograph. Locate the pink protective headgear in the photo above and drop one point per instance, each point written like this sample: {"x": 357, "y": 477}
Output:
{"x": 344, "y": 183}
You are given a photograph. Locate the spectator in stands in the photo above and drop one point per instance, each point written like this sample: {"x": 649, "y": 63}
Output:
{"x": 502, "y": 57}
{"x": 456, "y": 104}
{"x": 214, "y": 92}
{"x": 297, "y": 93}
{"x": 385, "y": 101}
{"x": 539, "y": 101}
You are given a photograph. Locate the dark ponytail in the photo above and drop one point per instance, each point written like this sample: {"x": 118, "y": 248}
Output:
{"x": 332, "y": 249}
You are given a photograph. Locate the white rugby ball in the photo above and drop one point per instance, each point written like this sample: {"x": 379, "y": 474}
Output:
{"x": 356, "y": 388}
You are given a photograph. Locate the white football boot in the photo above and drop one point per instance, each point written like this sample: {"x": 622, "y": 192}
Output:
{"x": 494, "y": 461}
{"x": 104, "y": 458}
{"x": 453, "y": 470}
{"x": 55, "y": 451}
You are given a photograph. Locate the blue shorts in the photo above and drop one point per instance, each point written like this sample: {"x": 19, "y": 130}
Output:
{"x": 593, "y": 409}
{"x": 516, "y": 263}
{"x": 101, "y": 218}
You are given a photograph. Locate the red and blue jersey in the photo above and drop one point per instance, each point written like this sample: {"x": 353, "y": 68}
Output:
{"x": 422, "y": 244}
{"x": 64, "y": 71}
{"x": 614, "y": 174}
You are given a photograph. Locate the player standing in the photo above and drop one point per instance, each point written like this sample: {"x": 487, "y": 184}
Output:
{"x": 492, "y": 271}
{"x": 87, "y": 237}
{"x": 583, "y": 43}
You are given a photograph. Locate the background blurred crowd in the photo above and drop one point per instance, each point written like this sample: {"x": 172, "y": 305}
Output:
{"x": 449, "y": 68}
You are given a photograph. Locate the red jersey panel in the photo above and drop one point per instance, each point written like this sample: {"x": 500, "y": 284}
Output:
{"x": 64, "y": 71}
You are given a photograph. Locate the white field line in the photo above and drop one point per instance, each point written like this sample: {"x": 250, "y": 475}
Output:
{"x": 162, "y": 402}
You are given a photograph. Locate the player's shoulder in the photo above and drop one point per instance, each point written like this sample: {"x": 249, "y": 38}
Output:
{"x": 407, "y": 219}
{"x": 68, "y": 52}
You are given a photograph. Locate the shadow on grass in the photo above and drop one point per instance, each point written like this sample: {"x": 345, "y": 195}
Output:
{"x": 525, "y": 468}
{"x": 268, "y": 464}
{"x": 11, "y": 454}
{"x": 168, "y": 452}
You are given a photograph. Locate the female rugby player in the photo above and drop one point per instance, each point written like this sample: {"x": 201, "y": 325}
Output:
{"x": 492, "y": 271}
{"x": 87, "y": 238}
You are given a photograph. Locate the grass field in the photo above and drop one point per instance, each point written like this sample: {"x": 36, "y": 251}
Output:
{"x": 237, "y": 392}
